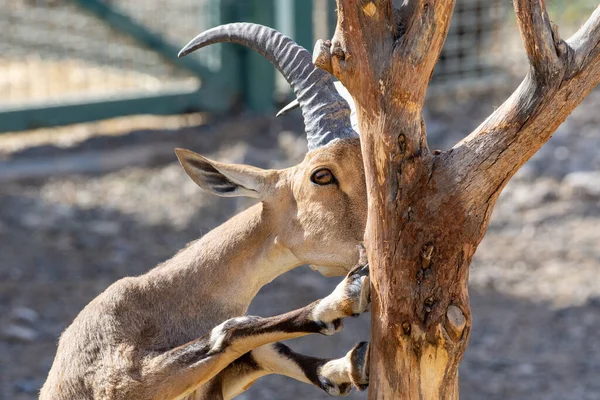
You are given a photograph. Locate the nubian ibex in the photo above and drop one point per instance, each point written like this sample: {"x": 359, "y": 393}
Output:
{"x": 179, "y": 331}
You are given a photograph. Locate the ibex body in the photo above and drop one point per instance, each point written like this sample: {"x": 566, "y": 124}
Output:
{"x": 162, "y": 336}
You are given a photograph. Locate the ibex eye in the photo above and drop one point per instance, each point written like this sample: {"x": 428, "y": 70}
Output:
{"x": 322, "y": 177}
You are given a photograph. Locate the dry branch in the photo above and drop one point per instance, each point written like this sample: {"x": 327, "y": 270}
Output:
{"x": 562, "y": 74}
{"x": 540, "y": 37}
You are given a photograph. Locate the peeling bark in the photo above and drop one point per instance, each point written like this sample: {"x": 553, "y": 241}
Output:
{"x": 429, "y": 212}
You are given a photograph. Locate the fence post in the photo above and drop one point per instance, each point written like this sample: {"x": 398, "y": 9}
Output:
{"x": 303, "y": 23}
{"x": 225, "y": 59}
{"x": 258, "y": 74}
{"x": 253, "y": 76}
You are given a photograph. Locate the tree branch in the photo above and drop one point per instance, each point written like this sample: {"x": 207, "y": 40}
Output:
{"x": 561, "y": 75}
{"x": 586, "y": 41}
{"x": 540, "y": 38}
{"x": 385, "y": 39}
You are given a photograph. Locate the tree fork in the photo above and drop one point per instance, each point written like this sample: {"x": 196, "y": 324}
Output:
{"x": 429, "y": 212}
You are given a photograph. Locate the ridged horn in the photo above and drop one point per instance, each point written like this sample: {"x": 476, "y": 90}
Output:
{"x": 326, "y": 114}
{"x": 342, "y": 91}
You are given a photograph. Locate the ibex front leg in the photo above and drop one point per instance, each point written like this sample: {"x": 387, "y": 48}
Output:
{"x": 180, "y": 371}
{"x": 335, "y": 376}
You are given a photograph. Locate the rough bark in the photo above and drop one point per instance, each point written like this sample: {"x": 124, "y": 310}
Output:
{"x": 429, "y": 212}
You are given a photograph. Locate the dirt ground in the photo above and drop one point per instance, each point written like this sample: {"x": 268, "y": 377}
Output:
{"x": 535, "y": 281}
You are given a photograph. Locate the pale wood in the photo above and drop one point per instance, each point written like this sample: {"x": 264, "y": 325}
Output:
{"x": 429, "y": 212}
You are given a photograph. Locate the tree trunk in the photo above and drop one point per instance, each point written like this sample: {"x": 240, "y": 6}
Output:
{"x": 429, "y": 212}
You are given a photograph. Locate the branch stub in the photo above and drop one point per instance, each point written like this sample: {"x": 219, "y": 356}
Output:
{"x": 322, "y": 55}
{"x": 456, "y": 322}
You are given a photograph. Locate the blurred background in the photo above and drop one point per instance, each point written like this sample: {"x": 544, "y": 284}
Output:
{"x": 93, "y": 100}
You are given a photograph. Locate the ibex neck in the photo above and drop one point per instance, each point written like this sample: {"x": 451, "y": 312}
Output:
{"x": 231, "y": 262}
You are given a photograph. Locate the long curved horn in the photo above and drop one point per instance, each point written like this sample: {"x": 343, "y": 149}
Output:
{"x": 342, "y": 91}
{"x": 326, "y": 114}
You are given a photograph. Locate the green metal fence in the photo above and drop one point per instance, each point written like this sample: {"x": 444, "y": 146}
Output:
{"x": 75, "y": 61}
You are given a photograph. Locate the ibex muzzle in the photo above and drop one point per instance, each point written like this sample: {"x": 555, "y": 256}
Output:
{"x": 179, "y": 331}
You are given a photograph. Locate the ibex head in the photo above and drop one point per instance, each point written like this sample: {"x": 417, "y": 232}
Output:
{"x": 318, "y": 208}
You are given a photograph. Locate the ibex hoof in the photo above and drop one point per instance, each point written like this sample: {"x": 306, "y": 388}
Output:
{"x": 338, "y": 376}
{"x": 349, "y": 298}
{"x": 359, "y": 289}
{"x": 359, "y": 365}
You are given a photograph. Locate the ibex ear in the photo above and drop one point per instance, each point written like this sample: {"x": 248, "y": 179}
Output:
{"x": 227, "y": 180}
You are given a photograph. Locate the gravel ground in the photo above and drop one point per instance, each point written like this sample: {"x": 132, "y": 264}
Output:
{"x": 535, "y": 280}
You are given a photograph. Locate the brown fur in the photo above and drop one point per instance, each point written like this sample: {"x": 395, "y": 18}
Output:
{"x": 111, "y": 349}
